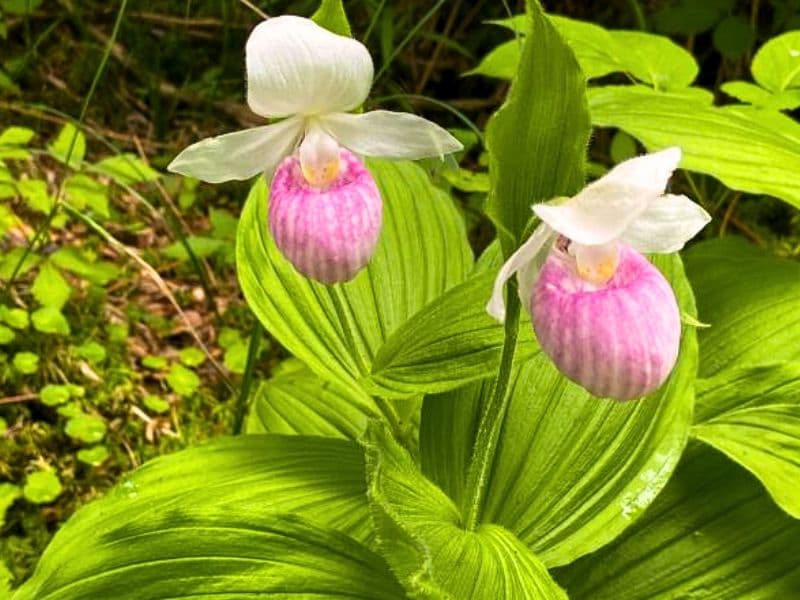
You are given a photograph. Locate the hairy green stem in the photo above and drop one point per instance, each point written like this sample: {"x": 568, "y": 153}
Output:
{"x": 492, "y": 418}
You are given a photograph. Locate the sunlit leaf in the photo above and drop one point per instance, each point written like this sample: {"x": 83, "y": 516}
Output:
{"x": 423, "y": 540}
{"x": 776, "y": 65}
{"x": 49, "y": 319}
{"x": 126, "y": 169}
{"x": 751, "y": 300}
{"x": 42, "y": 487}
{"x": 712, "y": 533}
{"x": 50, "y": 288}
{"x": 69, "y": 147}
{"x": 211, "y": 519}
{"x": 450, "y": 342}
{"x": 752, "y": 414}
{"x": 726, "y": 143}
{"x": 71, "y": 259}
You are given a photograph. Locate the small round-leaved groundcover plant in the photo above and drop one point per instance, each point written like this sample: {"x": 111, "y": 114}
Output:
{"x": 418, "y": 448}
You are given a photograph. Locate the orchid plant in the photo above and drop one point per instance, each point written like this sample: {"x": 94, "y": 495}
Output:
{"x": 417, "y": 448}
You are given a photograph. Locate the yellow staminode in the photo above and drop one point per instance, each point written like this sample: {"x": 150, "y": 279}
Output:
{"x": 323, "y": 175}
{"x": 596, "y": 264}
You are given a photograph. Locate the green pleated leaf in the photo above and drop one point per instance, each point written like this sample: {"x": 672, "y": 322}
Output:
{"x": 653, "y": 59}
{"x": 197, "y": 551}
{"x": 296, "y": 401}
{"x": 572, "y": 471}
{"x": 319, "y": 479}
{"x": 421, "y": 536}
{"x": 776, "y": 65}
{"x": 545, "y": 114}
{"x": 450, "y": 342}
{"x": 711, "y": 534}
{"x": 751, "y": 300}
{"x": 752, "y": 414}
{"x": 734, "y": 145}
{"x": 337, "y": 330}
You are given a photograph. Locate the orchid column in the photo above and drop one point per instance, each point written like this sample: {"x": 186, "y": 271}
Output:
{"x": 325, "y": 210}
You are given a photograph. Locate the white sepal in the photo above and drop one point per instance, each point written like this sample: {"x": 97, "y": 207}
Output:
{"x": 524, "y": 263}
{"x": 390, "y": 134}
{"x": 604, "y": 209}
{"x": 666, "y": 225}
{"x": 294, "y": 66}
{"x": 239, "y": 155}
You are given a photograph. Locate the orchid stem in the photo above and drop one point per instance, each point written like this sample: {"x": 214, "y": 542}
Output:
{"x": 492, "y": 418}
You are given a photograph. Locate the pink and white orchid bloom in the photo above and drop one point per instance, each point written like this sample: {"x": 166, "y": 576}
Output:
{"x": 311, "y": 78}
{"x": 604, "y": 314}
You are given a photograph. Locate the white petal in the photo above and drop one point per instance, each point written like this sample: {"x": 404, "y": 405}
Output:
{"x": 667, "y": 224}
{"x": 523, "y": 261}
{"x": 605, "y": 208}
{"x": 390, "y": 134}
{"x": 238, "y": 155}
{"x": 294, "y": 66}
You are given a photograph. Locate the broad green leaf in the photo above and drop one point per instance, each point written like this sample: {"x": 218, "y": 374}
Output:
{"x": 14, "y": 139}
{"x": 295, "y": 401}
{"x": 83, "y": 191}
{"x": 98, "y": 272}
{"x": 6, "y": 335}
{"x": 196, "y": 551}
{"x": 9, "y": 261}
{"x": 331, "y": 16}
{"x": 319, "y": 479}
{"x": 337, "y": 330}
{"x": 156, "y": 404}
{"x": 50, "y": 288}
{"x": 69, "y": 147}
{"x": 752, "y": 414}
{"x": 544, "y": 113}
{"x": 94, "y": 456}
{"x": 690, "y": 17}
{"x": 48, "y": 319}
{"x": 8, "y": 494}
{"x": 20, "y": 7}
{"x": 26, "y": 362}
{"x": 14, "y": 317}
{"x": 746, "y": 92}
{"x": 751, "y": 300}
{"x": 91, "y": 351}
{"x": 126, "y": 169}
{"x": 54, "y": 394}
{"x": 202, "y": 247}
{"x": 711, "y": 534}
{"x": 450, "y": 342}
{"x": 655, "y": 59}
{"x": 423, "y": 540}
{"x": 42, "y": 487}
{"x": 572, "y": 471}
{"x": 728, "y": 144}
{"x": 36, "y": 195}
{"x": 776, "y": 65}
{"x": 192, "y": 356}
{"x": 183, "y": 381}
{"x": 86, "y": 428}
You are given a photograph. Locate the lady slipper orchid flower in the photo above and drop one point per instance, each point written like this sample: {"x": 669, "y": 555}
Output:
{"x": 601, "y": 311}
{"x": 325, "y": 209}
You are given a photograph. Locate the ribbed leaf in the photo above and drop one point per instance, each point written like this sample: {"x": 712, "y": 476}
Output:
{"x": 239, "y": 551}
{"x": 571, "y": 471}
{"x": 654, "y": 59}
{"x": 751, "y": 300}
{"x": 336, "y": 330}
{"x": 711, "y": 534}
{"x": 727, "y": 143}
{"x": 537, "y": 139}
{"x": 426, "y": 546}
{"x": 212, "y": 520}
{"x": 450, "y": 342}
{"x": 752, "y": 414}
{"x": 776, "y": 65}
{"x": 296, "y": 401}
